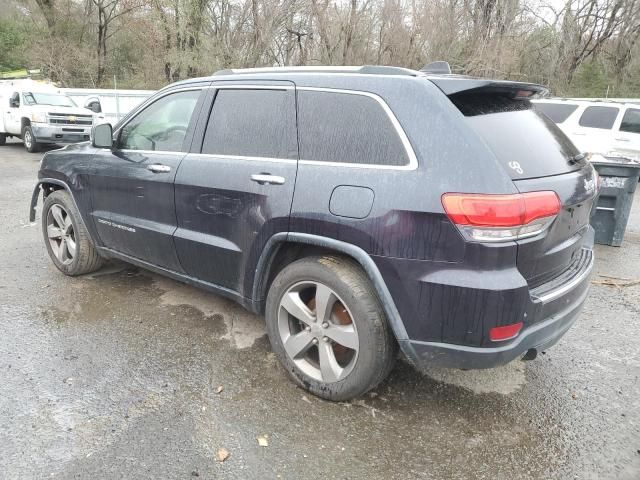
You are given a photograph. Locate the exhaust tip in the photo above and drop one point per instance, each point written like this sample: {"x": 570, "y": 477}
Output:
{"x": 531, "y": 354}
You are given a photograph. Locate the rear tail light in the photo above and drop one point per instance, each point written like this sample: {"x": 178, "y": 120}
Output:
{"x": 505, "y": 332}
{"x": 496, "y": 218}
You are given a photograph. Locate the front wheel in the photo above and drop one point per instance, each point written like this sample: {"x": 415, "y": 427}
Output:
{"x": 66, "y": 237}
{"x": 328, "y": 329}
{"x": 29, "y": 140}
{"x": 3, "y": 139}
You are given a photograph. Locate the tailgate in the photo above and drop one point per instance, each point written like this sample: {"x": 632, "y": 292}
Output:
{"x": 542, "y": 258}
{"x": 538, "y": 156}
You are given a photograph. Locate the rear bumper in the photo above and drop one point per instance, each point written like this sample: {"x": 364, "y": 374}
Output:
{"x": 554, "y": 313}
{"x": 60, "y": 134}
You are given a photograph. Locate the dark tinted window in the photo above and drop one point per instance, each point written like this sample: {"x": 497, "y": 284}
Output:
{"x": 558, "y": 112}
{"x": 526, "y": 142}
{"x": 162, "y": 125}
{"x": 252, "y": 123}
{"x": 347, "y": 128}
{"x": 631, "y": 121}
{"x": 599, "y": 117}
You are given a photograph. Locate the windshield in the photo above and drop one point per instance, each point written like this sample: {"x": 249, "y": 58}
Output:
{"x": 55, "y": 99}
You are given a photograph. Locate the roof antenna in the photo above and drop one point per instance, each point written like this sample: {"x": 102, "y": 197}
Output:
{"x": 439, "y": 68}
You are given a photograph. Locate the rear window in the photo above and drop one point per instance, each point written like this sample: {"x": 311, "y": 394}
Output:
{"x": 558, "y": 112}
{"x": 347, "y": 128}
{"x": 631, "y": 121}
{"x": 526, "y": 142}
{"x": 599, "y": 117}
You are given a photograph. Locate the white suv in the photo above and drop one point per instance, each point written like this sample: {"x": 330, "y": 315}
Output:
{"x": 607, "y": 128}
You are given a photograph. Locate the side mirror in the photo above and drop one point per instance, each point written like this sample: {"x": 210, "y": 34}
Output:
{"x": 102, "y": 136}
{"x": 94, "y": 105}
{"x": 13, "y": 103}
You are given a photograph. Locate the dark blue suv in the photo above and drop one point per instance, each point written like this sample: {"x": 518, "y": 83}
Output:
{"x": 360, "y": 210}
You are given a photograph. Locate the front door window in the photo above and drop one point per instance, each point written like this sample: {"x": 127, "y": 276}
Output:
{"x": 162, "y": 126}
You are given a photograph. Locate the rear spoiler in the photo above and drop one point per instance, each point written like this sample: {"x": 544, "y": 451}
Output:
{"x": 454, "y": 84}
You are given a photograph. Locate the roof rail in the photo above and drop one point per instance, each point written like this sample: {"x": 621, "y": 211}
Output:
{"x": 364, "y": 70}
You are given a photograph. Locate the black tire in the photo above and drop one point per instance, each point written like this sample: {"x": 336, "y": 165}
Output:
{"x": 86, "y": 258}
{"x": 29, "y": 140}
{"x": 3, "y": 139}
{"x": 377, "y": 346}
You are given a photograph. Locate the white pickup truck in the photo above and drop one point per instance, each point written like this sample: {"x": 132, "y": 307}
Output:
{"x": 40, "y": 114}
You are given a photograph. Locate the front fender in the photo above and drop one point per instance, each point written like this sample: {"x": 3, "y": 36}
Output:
{"x": 36, "y": 193}
{"x": 34, "y": 203}
{"x": 62, "y": 185}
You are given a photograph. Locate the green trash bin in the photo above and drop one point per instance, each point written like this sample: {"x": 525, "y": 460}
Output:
{"x": 619, "y": 180}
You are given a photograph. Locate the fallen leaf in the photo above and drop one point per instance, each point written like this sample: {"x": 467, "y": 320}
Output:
{"x": 219, "y": 389}
{"x": 222, "y": 454}
{"x": 263, "y": 440}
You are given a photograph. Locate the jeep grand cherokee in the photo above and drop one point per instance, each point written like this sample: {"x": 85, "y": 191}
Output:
{"x": 360, "y": 210}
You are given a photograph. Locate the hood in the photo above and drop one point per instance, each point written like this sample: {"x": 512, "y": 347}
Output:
{"x": 61, "y": 110}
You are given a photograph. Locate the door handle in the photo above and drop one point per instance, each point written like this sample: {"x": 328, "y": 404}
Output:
{"x": 579, "y": 133}
{"x": 622, "y": 139}
{"x": 267, "y": 178}
{"x": 157, "y": 168}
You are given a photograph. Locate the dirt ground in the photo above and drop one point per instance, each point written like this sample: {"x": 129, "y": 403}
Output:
{"x": 117, "y": 375}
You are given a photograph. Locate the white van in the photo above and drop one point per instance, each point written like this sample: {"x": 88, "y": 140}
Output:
{"x": 607, "y": 128}
{"x": 39, "y": 113}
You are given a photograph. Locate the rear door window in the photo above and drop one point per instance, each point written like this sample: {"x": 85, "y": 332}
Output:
{"x": 599, "y": 117}
{"x": 252, "y": 123}
{"x": 347, "y": 128}
{"x": 526, "y": 142}
{"x": 558, "y": 112}
{"x": 631, "y": 121}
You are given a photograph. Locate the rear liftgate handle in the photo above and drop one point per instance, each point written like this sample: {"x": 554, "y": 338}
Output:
{"x": 267, "y": 178}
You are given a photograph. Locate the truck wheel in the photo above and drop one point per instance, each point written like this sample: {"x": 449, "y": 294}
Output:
{"x": 29, "y": 140}
{"x": 66, "y": 237}
{"x": 3, "y": 139}
{"x": 328, "y": 329}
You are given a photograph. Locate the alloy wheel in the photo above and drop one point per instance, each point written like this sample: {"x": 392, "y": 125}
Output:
{"x": 318, "y": 332}
{"x": 61, "y": 234}
{"x": 28, "y": 140}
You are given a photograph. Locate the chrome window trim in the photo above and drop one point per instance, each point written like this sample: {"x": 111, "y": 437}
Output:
{"x": 149, "y": 152}
{"x": 413, "y": 160}
{"x": 245, "y": 86}
{"x": 244, "y": 157}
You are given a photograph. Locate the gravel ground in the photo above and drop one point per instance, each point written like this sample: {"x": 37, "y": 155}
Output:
{"x": 118, "y": 375}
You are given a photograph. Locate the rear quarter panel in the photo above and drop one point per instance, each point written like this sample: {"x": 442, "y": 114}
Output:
{"x": 433, "y": 276}
{"x": 407, "y": 219}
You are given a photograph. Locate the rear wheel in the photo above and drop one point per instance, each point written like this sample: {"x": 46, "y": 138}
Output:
{"x": 29, "y": 140}
{"x": 66, "y": 237}
{"x": 328, "y": 328}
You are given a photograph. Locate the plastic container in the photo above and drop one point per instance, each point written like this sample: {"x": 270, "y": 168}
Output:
{"x": 619, "y": 182}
